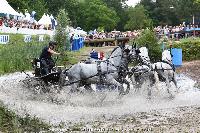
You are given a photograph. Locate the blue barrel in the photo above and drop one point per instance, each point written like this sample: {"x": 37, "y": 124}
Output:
{"x": 177, "y": 57}
{"x": 75, "y": 45}
{"x": 80, "y": 42}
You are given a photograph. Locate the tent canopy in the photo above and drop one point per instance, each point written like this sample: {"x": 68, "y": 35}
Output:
{"x": 45, "y": 20}
{"x": 5, "y": 8}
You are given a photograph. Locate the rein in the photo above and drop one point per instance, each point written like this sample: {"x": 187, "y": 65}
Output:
{"x": 172, "y": 65}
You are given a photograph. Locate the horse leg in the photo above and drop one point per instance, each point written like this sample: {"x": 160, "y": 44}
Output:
{"x": 149, "y": 87}
{"x": 110, "y": 80}
{"x": 128, "y": 86}
{"x": 136, "y": 82}
{"x": 88, "y": 88}
{"x": 174, "y": 81}
{"x": 156, "y": 80}
{"x": 168, "y": 86}
{"x": 74, "y": 88}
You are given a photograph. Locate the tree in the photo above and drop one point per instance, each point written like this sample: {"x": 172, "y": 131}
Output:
{"x": 97, "y": 14}
{"x": 61, "y": 35}
{"x": 148, "y": 39}
{"x": 138, "y": 19}
{"x": 19, "y": 5}
{"x": 39, "y": 6}
{"x": 171, "y": 12}
{"x": 71, "y": 6}
{"x": 120, "y": 8}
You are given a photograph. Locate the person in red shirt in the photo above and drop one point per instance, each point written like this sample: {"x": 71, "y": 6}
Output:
{"x": 1, "y": 22}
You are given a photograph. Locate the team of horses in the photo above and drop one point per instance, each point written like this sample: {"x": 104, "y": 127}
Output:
{"x": 115, "y": 70}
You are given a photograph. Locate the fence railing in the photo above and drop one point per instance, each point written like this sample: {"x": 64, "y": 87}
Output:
{"x": 25, "y": 31}
{"x": 4, "y": 39}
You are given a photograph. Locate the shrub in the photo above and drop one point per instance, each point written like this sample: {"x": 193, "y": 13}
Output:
{"x": 61, "y": 35}
{"x": 190, "y": 48}
{"x": 149, "y": 40}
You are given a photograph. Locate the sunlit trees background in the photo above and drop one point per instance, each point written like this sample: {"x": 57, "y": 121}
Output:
{"x": 115, "y": 14}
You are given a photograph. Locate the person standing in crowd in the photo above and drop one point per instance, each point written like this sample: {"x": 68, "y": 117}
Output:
{"x": 1, "y": 22}
{"x": 71, "y": 40}
{"x": 46, "y": 57}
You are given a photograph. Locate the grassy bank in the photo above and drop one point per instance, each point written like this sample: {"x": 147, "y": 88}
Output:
{"x": 17, "y": 55}
{"x": 12, "y": 123}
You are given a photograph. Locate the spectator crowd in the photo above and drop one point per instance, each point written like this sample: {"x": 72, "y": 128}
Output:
{"x": 177, "y": 32}
{"x": 110, "y": 35}
{"x": 20, "y": 23}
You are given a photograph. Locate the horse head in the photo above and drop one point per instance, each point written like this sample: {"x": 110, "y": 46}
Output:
{"x": 116, "y": 56}
{"x": 144, "y": 54}
{"x": 166, "y": 56}
{"x": 132, "y": 52}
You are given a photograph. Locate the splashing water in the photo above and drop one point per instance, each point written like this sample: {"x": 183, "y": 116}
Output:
{"x": 88, "y": 107}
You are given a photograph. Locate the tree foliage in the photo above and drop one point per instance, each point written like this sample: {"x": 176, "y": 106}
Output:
{"x": 137, "y": 19}
{"x": 149, "y": 40}
{"x": 171, "y": 12}
{"x": 115, "y": 14}
{"x": 39, "y": 6}
{"x": 120, "y": 7}
{"x": 63, "y": 22}
{"x": 97, "y": 14}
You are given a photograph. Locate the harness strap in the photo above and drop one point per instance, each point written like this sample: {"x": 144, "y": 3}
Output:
{"x": 172, "y": 65}
{"x": 100, "y": 72}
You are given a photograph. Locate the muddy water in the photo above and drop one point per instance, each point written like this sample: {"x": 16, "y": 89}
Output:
{"x": 74, "y": 108}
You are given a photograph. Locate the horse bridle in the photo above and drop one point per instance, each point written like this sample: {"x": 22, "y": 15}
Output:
{"x": 109, "y": 62}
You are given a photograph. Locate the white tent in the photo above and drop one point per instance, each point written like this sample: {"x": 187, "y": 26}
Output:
{"x": 7, "y": 9}
{"x": 48, "y": 19}
{"x": 45, "y": 20}
{"x": 27, "y": 17}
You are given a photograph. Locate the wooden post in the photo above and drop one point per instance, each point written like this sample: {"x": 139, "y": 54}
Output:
{"x": 193, "y": 19}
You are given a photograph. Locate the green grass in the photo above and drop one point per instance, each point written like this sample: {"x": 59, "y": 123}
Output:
{"x": 18, "y": 57}
{"x": 12, "y": 123}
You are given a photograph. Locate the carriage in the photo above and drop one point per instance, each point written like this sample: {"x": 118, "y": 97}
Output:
{"x": 108, "y": 73}
{"x": 41, "y": 82}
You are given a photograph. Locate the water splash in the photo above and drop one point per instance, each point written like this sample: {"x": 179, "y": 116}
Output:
{"x": 88, "y": 107}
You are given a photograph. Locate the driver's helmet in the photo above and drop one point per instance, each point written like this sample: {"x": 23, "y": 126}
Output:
{"x": 52, "y": 43}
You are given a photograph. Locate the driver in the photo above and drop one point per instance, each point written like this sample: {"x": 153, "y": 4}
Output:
{"x": 46, "y": 57}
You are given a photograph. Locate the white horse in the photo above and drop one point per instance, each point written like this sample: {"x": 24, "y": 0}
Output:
{"x": 142, "y": 72}
{"x": 102, "y": 72}
{"x": 160, "y": 71}
{"x": 165, "y": 69}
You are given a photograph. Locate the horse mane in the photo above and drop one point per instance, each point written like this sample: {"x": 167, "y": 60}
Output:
{"x": 144, "y": 55}
{"x": 166, "y": 56}
{"x": 114, "y": 50}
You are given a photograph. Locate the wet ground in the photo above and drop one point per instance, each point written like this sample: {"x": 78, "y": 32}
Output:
{"x": 133, "y": 112}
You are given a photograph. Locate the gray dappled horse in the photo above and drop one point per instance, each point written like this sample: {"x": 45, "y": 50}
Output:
{"x": 109, "y": 72}
{"x": 160, "y": 71}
